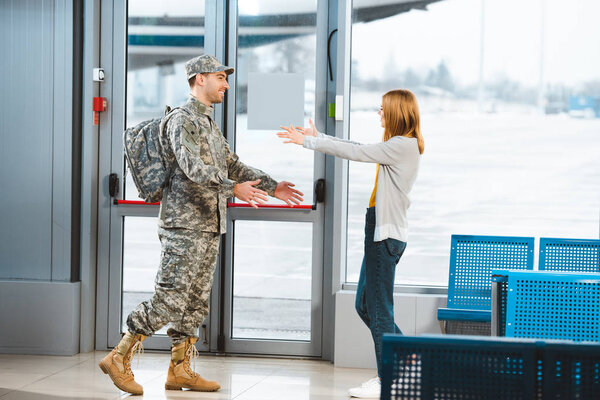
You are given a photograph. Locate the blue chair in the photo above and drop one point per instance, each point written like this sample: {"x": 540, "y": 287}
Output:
{"x": 553, "y": 305}
{"x": 457, "y": 367}
{"x": 472, "y": 258}
{"x": 577, "y": 255}
{"x": 571, "y": 372}
{"x": 475, "y": 367}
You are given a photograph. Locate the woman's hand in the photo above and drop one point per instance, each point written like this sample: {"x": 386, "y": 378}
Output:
{"x": 292, "y": 135}
{"x": 310, "y": 131}
{"x": 296, "y": 134}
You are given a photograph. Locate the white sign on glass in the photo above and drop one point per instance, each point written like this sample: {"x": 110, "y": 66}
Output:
{"x": 275, "y": 100}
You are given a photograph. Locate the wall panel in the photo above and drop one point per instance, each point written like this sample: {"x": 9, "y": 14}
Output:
{"x": 35, "y": 137}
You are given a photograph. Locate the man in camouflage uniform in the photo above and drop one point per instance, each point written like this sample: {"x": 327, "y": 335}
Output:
{"x": 193, "y": 215}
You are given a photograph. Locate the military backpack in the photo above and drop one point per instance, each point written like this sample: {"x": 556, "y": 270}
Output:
{"x": 149, "y": 163}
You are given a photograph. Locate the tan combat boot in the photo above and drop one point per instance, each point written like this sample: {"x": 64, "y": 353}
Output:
{"x": 117, "y": 364}
{"x": 181, "y": 375}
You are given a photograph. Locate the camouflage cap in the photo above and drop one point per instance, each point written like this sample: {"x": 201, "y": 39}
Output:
{"x": 205, "y": 64}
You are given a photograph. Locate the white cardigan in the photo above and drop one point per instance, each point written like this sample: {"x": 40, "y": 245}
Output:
{"x": 398, "y": 160}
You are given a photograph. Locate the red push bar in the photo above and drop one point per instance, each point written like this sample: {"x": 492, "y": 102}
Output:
{"x": 137, "y": 202}
{"x": 232, "y": 205}
{"x": 246, "y": 205}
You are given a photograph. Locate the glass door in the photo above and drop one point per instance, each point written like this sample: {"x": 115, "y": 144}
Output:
{"x": 274, "y": 256}
{"x": 267, "y": 289}
{"x": 147, "y": 74}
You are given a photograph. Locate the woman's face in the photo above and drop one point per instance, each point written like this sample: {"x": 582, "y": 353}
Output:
{"x": 381, "y": 116}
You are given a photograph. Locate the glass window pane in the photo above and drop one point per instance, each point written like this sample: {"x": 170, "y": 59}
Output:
{"x": 161, "y": 37}
{"x": 141, "y": 256}
{"x": 510, "y": 118}
{"x": 270, "y": 43}
{"x": 272, "y": 280}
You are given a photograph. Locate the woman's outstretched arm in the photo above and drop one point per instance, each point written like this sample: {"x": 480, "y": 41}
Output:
{"x": 311, "y": 130}
{"x": 386, "y": 153}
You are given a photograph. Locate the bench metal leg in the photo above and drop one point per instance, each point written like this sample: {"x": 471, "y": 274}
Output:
{"x": 495, "y": 309}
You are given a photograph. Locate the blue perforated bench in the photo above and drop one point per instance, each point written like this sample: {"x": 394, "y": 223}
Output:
{"x": 499, "y": 298}
{"x": 571, "y": 371}
{"x": 576, "y": 255}
{"x": 472, "y": 258}
{"x": 457, "y": 367}
{"x": 452, "y": 367}
{"x": 547, "y": 305}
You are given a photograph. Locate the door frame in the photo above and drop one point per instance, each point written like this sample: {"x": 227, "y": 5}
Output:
{"x": 113, "y": 50}
{"x": 313, "y": 348}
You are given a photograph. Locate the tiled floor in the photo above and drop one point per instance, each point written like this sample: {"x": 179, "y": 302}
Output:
{"x": 241, "y": 378}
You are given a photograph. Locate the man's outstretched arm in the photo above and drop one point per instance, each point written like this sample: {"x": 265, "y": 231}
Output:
{"x": 187, "y": 144}
{"x": 239, "y": 171}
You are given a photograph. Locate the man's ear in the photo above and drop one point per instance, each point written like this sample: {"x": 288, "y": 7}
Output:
{"x": 200, "y": 80}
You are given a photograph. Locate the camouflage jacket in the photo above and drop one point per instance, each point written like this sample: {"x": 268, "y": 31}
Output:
{"x": 204, "y": 172}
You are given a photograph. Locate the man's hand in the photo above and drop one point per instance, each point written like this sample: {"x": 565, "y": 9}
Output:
{"x": 284, "y": 191}
{"x": 247, "y": 192}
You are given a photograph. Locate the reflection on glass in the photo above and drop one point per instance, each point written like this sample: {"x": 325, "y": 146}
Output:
{"x": 510, "y": 119}
{"x": 141, "y": 255}
{"x": 161, "y": 37}
{"x": 289, "y": 48}
{"x": 272, "y": 280}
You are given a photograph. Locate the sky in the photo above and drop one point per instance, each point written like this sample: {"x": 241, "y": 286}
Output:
{"x": 450, "y": 30}
{"x": 512, "y": 29}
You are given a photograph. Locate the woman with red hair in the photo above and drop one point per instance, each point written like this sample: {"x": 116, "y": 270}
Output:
{"x": 397, "y": 157}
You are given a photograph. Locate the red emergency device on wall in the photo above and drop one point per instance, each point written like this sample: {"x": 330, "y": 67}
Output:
{"x": 99, "y": 105}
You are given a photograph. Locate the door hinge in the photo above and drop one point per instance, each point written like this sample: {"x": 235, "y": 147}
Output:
{"x": 221, "y": 343}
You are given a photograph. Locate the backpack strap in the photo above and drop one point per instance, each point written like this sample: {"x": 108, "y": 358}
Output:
{"x": 170, "y": 112}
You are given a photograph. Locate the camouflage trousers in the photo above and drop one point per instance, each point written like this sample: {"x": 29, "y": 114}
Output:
{"x": 182, "y": 286}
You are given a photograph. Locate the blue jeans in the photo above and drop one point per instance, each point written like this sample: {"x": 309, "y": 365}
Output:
{"x": 375, "y": 292}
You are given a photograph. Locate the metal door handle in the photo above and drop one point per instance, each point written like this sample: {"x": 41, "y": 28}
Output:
{"x": 204, "y": 335}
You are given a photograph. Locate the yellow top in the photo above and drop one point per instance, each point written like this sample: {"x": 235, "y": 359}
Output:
{"x": 372, "y": 201}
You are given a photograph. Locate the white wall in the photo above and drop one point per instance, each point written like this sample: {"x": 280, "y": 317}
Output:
{"x": 39, "y": 317}
{"x": 414, "y": 315}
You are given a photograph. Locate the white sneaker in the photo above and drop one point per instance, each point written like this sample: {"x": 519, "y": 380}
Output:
{"x": 371, "y": 389}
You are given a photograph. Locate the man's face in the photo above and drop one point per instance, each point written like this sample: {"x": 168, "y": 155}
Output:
{"x": 215, "y": 85}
